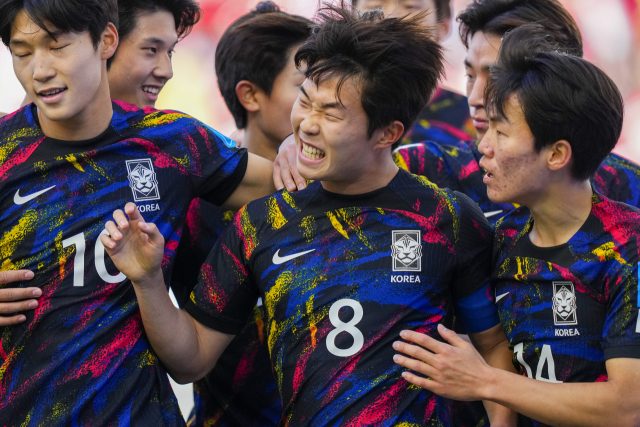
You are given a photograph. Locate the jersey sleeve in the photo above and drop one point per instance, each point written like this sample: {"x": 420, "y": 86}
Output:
{"x": 621, "y": 333}
{"x": 473, "y": 249}
{"x": 226, "y": 293}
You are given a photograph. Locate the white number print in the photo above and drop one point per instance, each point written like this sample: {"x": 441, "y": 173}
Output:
{"x": 546, "y": 358}
{"x": 78, "y": 261}
{"x": 349, "y": 327}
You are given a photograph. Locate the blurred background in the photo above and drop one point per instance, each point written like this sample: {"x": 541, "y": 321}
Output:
{"x": 611, "y": 31}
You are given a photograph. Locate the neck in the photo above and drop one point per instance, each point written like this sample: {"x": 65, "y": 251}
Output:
{"x": 378, "y": 174}
{"x": 560, "y": 213}
{"x": 256, "y": 142}
{"x": 88, "y": 123}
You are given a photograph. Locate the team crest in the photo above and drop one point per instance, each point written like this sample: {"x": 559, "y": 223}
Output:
{"x": 564, "y": 304}
{"x": 406, "y": 250}
{"x": 142, "y": 180}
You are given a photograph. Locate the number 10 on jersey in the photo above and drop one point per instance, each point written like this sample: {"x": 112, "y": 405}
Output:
{"x": 79, "y": 242}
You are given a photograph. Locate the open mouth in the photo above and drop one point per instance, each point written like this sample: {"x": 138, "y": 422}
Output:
{"x": 311, "y": 152}
{"x": 153, "y": 90}
{"x": 51, "y": 92}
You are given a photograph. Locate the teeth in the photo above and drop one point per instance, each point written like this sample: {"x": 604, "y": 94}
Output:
{"x": 51, "y": 92}
{"x": 151, "y": 90}
{"x": 312, "y": 152}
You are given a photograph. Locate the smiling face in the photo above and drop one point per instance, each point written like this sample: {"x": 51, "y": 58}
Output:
{"x": 331, "y": 136}
{"x": 515, "y": 172}
{"x": 142, "y": 65}
{"x": 483, "y": 52}
{"x": 64, "y": 77}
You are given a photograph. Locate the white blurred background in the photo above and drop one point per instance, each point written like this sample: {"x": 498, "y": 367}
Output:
{"x": 611, "y": 30}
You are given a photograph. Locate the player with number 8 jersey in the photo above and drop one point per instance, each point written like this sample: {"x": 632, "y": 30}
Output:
{"x": 82, "y": 356}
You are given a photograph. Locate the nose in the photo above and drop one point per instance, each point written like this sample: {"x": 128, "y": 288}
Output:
{"x": 485, "y": 146}
{"x": 309, "y": 125}
{"x": 43, "y": 70}
{"x": 476, "y": 95}
{"x": 164, "y": 69}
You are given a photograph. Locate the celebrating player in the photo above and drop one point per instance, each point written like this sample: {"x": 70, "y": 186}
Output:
{"x": 482, "y": 25}
{"x": 259, "y": 81}
{"x": 82, "y": 357}
{"x": 364, "y": 252}
{"x": 566, "y": 268}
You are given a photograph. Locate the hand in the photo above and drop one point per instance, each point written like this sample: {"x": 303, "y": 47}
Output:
{"x": 456, "y": 371}
{"x": 20, "y": 295}
{"x": 285, "y": 167}
{"x": 136, "y": 247}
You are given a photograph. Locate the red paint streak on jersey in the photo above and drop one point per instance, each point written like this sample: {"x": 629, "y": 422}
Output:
{"x": 19, "y": 157}
{"x": 379, "y": 410}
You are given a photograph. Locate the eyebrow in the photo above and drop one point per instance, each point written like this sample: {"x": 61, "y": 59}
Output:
{"x": 484, "y": 68}
{"x": 323, "y": 106}
{"x": 46, "y": 36}
{"x": 156, "y": 40}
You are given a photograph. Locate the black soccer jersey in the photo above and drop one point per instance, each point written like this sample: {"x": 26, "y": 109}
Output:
{"x": 569, "y": 308}
{"x": 81, "y": 358}
{"x": 341, "y": 276}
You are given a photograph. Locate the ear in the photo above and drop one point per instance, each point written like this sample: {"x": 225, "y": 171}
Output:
{"x": 389, "y": 134}
{"x": 248, "y": 94}
{"x": 559, "y": 155}
{"x": 108, "y": 41}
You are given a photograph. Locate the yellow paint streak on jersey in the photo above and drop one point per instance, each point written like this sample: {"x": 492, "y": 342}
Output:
{"x": 6, "y": 149}
{"x": 146, "y": 359}
{"x": 93, "y": 165}
{"x": 399, "y": 161}
{"x": 312, "y": 323}
{"x": 289, "y": 200}
{"x": 351, "y": 216}
{"x": 7, "y": 265}
{"x": 274, "y": 215}
{"x": 27, "y": 419}
{"x": 406, "y": 424}
{"x": 448, "y": 202}
{"x": 425, "y": 124}
{"x": 249, "y": 231}
{"x": 183, "y": 161}
{"x": 283, "y": 282}
{"x": 336, "y": 224}
{"x": 607, "y": 252}
{"x": 228, "y": 215}
{"x": 157, "y": 119}
{"x": 72, "y": 159}
{"x": 11, "y": 238}
{"x": 308, "y": 225}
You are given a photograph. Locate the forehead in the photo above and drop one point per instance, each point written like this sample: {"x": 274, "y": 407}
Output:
{"x": 483, "y": 49}
{"x": 326, "y": 92}
{"x": 158, "y": 25}
{"x": 24, "y": 30}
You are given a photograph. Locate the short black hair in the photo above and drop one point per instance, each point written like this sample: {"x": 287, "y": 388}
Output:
{"x": 443, "y": 8}
{"x": 499, "y": 16}
{"x": 397, "y": 61}
{"x": 63, "y": 15}
{"x": 562, "y": 96}
{"x": 256, "y": 48}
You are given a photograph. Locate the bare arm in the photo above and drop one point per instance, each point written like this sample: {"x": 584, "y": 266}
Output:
{"x": 15, "y": 300}
{"x": 459, "y": 372}
{"x": 257, "y": 182}
{"x": 187, "y": 348}
{"x": 285, "y": 167}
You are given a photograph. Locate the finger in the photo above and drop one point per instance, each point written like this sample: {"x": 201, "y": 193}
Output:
{"x": 17, "y": 294}
{"x": 277, "y": 180}
{"x": 285, "y": 174}
{"x": 424, "y": 340}
{"x": 17, "y": 307}
{"x": 415, "y": 365}
{"x": 13, "y": 320}
{"x": 107, "y": 241}
{"x": 15, "y": 276}
{"x": 415, "y": 351}
{"x": 132, "y": 210}
{"x": 151, "y": 230}
{"x": 113, "y": 231}
{"x": 451, "y": 337}
{"x": 120, "y": 219}
{"x": 421, "y": 382}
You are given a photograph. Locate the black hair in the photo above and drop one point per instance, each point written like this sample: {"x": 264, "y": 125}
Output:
{"x": 499, "y": 16}
{"x": 396, "y": 61}
{"x": 563, "y": 97}
{"x": 186, "y": 14}
{"x": 256, "y": 48}
{"x": 60, "y": 16}
{"x": 443, "y": 8}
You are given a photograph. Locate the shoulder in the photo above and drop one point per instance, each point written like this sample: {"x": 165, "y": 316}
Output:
{"x": 21, "y": 120}
{"x": 510, "y": 227}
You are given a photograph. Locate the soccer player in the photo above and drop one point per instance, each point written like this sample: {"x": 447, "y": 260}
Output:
{"x": 482, "y": 25}
{"x": 446, "y": 118}
{"x": 566, "y": 268}
{"x": 82, "y": 356}
{"x": 259, "y": 81}
{"x": 365, "y": 251}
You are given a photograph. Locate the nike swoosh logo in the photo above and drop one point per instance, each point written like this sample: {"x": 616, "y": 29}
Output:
{"x": 492, "y": 213}
{"x": 499, "y": 297}
{"x": 22, "y": 200}
{"x": 277, "y": 259}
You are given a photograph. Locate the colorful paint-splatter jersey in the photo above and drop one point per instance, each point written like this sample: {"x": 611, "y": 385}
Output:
{"x": 569, "y": 308}
{"x": 445, "y": 120}
{"x": 226, "y": 397}
{"x": 81, "y": 358}
{"x": 341, "y": 276}
{"x": 455, "y": 166}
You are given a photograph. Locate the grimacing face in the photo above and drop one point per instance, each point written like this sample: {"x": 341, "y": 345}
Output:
{"x": 483, "y": 52}
{"x": 515, "y": 172}
{"x": 142, "y": 64}
{"x": 62, "y": 76}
